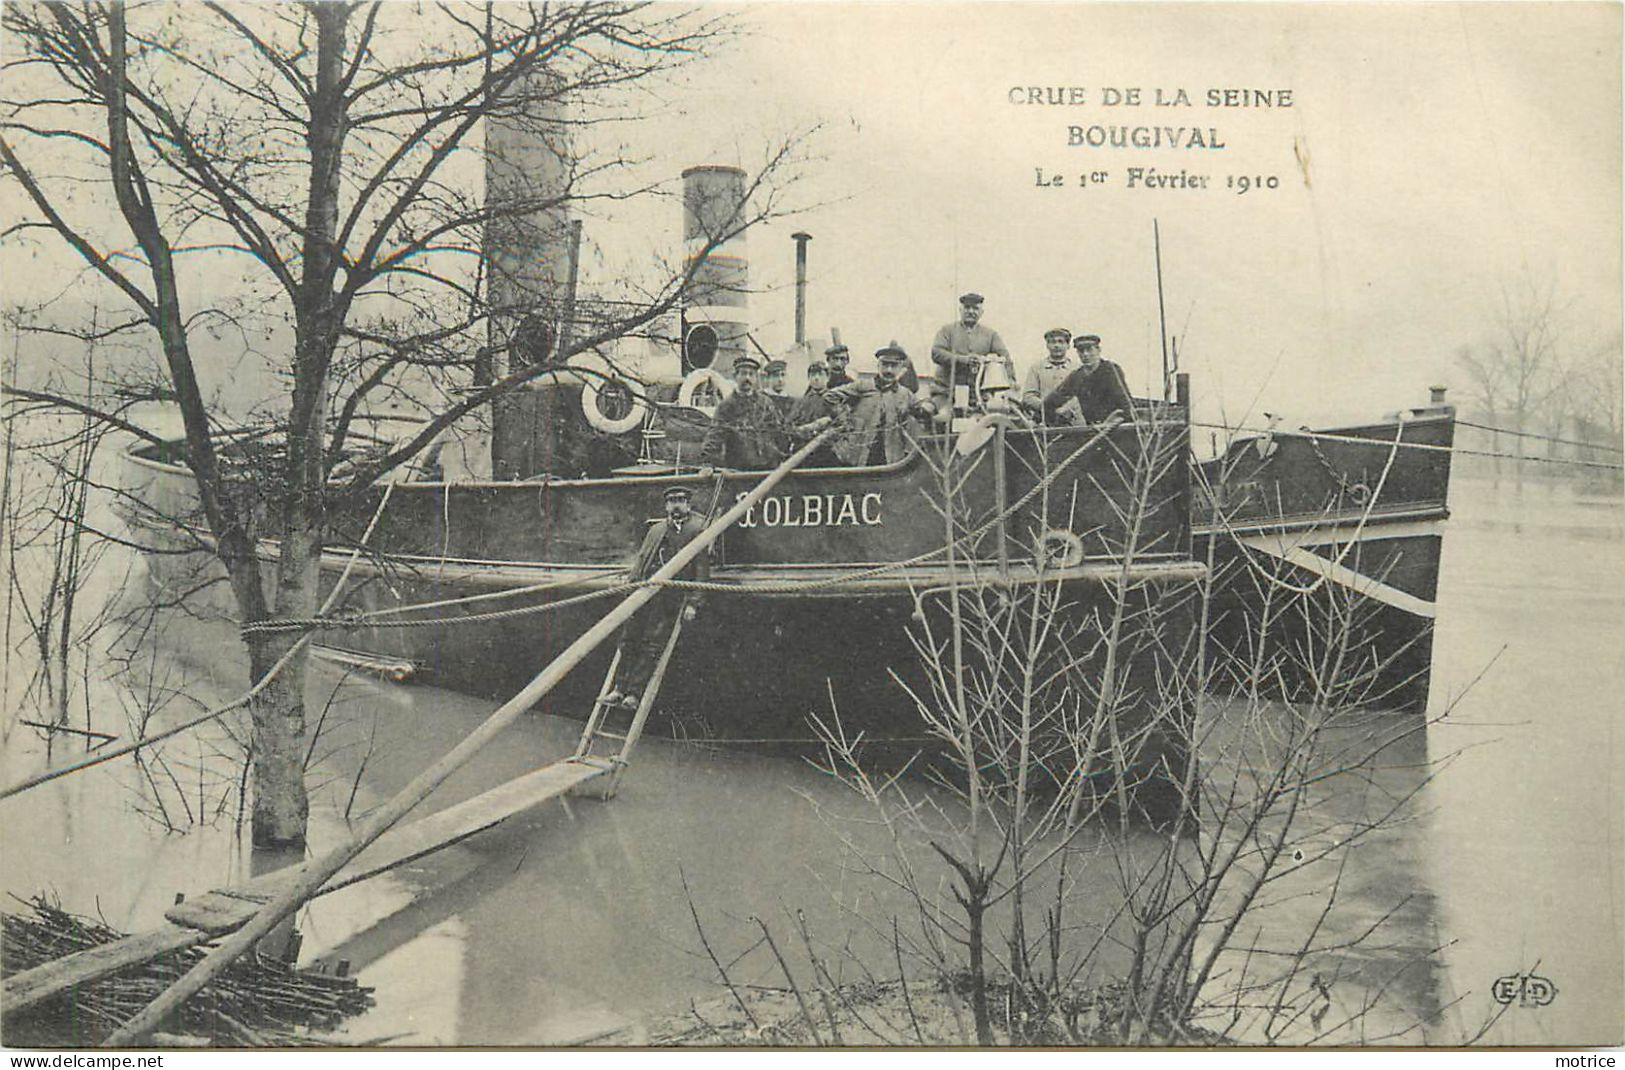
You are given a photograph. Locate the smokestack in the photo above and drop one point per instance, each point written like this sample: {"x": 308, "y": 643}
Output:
{"x": 801, "y": 239}
{"x": 716, "y": 306}
{"x": 528, "y": 161}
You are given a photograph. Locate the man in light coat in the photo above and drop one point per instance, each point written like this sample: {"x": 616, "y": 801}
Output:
{"x": 877, "y": 414}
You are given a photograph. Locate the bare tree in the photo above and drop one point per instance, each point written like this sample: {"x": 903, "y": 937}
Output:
{"x": 329, "y": 155}
{"x": 1515, "y": 372}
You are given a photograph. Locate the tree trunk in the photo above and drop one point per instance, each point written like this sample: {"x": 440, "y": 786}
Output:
{"x": 974, "y": 912}
{"x": 281, "y": 806}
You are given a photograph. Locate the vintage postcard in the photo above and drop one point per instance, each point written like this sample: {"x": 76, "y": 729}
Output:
{"x": 790, "y": 525}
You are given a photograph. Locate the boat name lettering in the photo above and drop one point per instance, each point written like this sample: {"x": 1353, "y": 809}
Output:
{"x": 813, "y": 511}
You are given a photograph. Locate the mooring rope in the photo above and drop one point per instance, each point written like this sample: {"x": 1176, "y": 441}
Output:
{"x": 219, "y": 711}
{"x": 1541, "y": 438}
{"x": 1324, "y": 436}
{"x": 372, "y": 619}
{"x": 1367, "y": 498}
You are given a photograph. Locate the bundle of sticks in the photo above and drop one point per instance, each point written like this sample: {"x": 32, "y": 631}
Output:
{"x": 258, "y": 1001}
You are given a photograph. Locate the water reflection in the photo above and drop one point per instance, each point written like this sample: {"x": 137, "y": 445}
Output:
{"x": 572, "y": 921}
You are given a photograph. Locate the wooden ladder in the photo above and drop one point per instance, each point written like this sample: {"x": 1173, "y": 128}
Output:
{"x": 607, "y": 740}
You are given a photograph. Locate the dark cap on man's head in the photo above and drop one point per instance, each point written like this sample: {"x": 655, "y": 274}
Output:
{"x": 838, "y": 349}
{"x": 972, "y": 298}
{"x": 1057, "y": 332}
{"x": 775, "y": 366}
{"x": 677, "y": 492}
{"x": 745, "y": 360}
{"x": 816, "y": 366}
{"x": 1086, "y": 339}
{"x": 891, "y": 353}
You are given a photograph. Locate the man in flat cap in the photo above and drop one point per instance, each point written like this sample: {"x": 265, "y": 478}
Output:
{"x": 877, "y": 413}
{"x": 959, "y": 351}
{"x": 810, "y": 415}
{"x": 1096, "y": 385}
{"x": 1046, "y": 376}
{"x": 774, "y": 373}
{"x": 748, "y": 428}
{"x": 644, "y": 636}
{"x": 835, "y": 359}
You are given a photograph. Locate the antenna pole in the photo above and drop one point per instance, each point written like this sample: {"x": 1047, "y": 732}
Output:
{"x": 1162, "y": 310}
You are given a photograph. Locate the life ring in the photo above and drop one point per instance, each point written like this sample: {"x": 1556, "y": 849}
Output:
{"x": 1059, "y": 548}
{"x": 596, "y": 388}
{"x": 709, "y": 378}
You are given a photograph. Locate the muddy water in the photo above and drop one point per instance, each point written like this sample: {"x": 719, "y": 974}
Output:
{"x": 1524, "y": 837}
{"x": 573, "y": 921}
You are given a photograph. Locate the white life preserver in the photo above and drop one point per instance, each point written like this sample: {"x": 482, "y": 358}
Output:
{"x": 710, "y": 377}
{"x": 1059, "y": 548}
{"x": 595, "y": 416}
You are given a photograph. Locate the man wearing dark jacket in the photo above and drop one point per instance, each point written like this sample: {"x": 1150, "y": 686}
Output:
{"x": 811, "y": 415}
{"x": 835, "y": 359}
{"x": 1096, "y": 385}
{"x": 748, "y": 428}
{"x": 644, "y": 636}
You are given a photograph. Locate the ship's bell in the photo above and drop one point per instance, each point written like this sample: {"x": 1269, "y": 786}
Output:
{"x": 994, "y": 377}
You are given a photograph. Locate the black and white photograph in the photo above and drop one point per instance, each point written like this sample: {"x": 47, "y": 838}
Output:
{"x": 790, "y": 525}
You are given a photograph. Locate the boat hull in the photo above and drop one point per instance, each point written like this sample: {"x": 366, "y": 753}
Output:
{"x": 1325, "y": 550}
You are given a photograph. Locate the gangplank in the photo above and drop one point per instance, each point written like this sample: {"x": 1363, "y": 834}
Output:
{"x": 246, "y": 912}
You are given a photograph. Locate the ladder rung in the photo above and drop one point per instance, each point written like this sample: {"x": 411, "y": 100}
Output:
{"x": 609, "y": 735}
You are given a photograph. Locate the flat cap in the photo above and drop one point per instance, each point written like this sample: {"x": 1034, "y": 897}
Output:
{"x": 816, "y": 366}
{"x": 838, "y": 349}
{"x": 972, "y": 298}
{"x": 1058, "y": 332}
{"x": 745, "y": 360}
{"x": 1086, "y": 339}
{"x": 891, "y": 353}
{"x": 676, "y": 492}
{"x": 775, "y": 366}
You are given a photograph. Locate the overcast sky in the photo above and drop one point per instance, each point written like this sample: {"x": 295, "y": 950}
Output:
{"x": 1433, "y": 154}
{"x": 1448, "y": 150}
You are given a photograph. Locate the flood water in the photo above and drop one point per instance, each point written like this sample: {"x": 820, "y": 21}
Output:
{"x": 572, "y": 921}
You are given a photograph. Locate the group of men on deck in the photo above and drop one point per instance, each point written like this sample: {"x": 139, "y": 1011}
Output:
{"x": 757, "y": 428}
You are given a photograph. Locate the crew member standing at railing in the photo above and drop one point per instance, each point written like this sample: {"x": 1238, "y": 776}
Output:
{"x": 1096, "y": 385}
{"x": 879, "y": 412}
{"x": 748, "y": 428}
{"x": 835, "y": 359}
{"x": 811, "y": 415}
{"x": 1045, "y": 377}
{"x": 959, "y": 351}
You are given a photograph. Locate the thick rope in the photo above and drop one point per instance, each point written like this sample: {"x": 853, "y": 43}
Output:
{"x": 219, "y": 711}
{"x": 1427, "y": 446}
{"x": 372, "y": 619}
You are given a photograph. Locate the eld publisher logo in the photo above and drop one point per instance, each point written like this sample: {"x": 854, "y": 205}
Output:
{"x": 1526, "y": 989}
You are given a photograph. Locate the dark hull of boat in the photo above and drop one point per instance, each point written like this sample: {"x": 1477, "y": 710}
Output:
{"x": 820, "y": 593}
{"x": 1325, "y": 549}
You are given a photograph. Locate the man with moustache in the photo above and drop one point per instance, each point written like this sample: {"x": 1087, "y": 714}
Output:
{"x": 835, "y": 359}
{"x": 959, "y": 350}
{"x": 644, "y": 636}
{"x": 877, "y": 413}
{"x": 748, "y": 428}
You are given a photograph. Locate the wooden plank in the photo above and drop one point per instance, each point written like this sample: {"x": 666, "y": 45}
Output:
{"x": 49, "y": 978}
{"x": 225, "y": 910}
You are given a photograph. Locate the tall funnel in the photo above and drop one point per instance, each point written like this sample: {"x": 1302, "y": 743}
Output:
{"x": 801, "y": 238}
{"x": 530, "y": 254}
{"x": 716, "y": 305}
